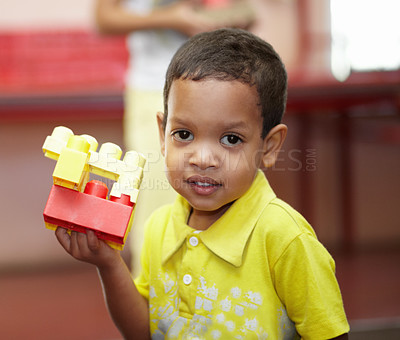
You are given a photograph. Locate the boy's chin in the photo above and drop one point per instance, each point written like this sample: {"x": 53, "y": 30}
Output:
{"x": 209, "y": 208}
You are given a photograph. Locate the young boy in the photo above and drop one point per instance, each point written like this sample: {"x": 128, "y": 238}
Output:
{"x": 228, "y": 260}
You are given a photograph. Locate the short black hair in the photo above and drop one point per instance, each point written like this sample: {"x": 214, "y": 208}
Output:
{"x": 233, "y": 54}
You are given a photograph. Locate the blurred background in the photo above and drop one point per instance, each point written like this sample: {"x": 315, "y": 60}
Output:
{"x": 339, "y": 167}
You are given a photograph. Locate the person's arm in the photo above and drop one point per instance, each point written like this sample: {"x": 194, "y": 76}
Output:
{"x": 113, "y": 18}
{"x": 127, "y": 307}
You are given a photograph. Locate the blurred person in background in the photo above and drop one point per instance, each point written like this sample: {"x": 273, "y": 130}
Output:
{"x": 155, "y": 29}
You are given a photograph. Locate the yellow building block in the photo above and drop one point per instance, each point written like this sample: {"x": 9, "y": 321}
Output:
{"x": 76, "y": 157}
{"x": 72, "y": 170}
{"x": 127, "y": 185}
{"x": 105, "y": 163}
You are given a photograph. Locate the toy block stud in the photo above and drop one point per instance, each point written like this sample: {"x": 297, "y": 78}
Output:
{"x": 96, "y": 188}
{"x": 56, "y": 142}
{"x": 135, "y": 159}
{"x": 134, "y": 163}
{"x": 124, "y": 199}
{"x": 92, "y": 141}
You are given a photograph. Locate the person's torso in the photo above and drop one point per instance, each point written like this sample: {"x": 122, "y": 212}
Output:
{"x": 150, "y": 50}
{"x": 195, "y": 294}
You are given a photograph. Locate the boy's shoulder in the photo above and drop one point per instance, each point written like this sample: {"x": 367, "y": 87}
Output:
{"x": 279, "y": 225}
{"x": 282, "y": 217}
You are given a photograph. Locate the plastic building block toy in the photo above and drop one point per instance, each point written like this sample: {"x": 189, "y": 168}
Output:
{"x": 78, "y": 204}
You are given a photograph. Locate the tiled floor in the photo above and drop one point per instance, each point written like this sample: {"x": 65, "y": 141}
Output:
{"x": 68, "y": 304}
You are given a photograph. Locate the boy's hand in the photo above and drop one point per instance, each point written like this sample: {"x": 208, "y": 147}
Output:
{"x": 87, "y": 248}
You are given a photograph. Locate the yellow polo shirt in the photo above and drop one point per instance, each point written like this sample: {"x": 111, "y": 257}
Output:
{"x": 259, "y": 272}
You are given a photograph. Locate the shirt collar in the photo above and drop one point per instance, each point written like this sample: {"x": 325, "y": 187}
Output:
{"x": 227, "y": 237}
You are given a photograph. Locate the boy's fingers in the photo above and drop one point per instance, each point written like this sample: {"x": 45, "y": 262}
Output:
{"x": 75, "y": 248}
{"x": 83, "y": 244}
{"x": 92, "y": 240}
{"x": 82, "y": 240}
{"x": 63, "y": 238}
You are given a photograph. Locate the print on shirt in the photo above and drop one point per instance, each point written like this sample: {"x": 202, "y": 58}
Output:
{"x": 217, "y": 315}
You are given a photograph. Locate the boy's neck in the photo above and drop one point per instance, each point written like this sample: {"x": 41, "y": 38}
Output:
{"x": 202, "y": 220}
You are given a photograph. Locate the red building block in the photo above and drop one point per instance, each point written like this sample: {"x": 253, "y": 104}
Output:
{"x": 77, "y": 211}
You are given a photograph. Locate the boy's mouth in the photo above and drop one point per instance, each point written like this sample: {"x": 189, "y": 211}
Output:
{"x": 203, "y": 185}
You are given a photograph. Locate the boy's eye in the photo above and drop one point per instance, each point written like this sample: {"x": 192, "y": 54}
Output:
{"x": 183, "y": 135}
{"x": 231, "y": 140}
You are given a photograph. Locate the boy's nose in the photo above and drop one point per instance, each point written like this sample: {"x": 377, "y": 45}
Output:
{"x": 204, "y": 157}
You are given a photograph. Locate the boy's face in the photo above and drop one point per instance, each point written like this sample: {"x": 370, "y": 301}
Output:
{"x": 212, "y": 142}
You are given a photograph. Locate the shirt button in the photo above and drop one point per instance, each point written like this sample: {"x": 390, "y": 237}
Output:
{"x": 194, "y": 241}
{"x": 187, "y": 279}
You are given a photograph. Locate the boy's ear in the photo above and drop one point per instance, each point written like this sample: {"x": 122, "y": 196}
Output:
{"x": 161, "y": 132}
{"x": 272, "y": 144}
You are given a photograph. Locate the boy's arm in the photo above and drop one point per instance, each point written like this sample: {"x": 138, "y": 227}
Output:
{"x": 128, "y": 309}
{"x": 113, "y": 18}
{"x": 342, "y": 337}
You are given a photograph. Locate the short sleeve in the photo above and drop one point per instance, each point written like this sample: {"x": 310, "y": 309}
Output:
{"x": 306, "y": 284}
